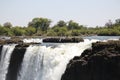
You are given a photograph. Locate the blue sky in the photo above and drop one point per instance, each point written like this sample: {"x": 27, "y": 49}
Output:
{"x": 85, "y": 12}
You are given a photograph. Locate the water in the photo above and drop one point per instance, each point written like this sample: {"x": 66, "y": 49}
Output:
{"x": 102, "y": 38}
{"x": 48, "y": 63}
{"x": 4, "y": 60}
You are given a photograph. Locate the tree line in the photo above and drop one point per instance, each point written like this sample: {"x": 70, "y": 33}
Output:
{"x": 41, "y": 27}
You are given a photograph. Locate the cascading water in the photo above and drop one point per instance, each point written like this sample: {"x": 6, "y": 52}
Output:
{"x": 4, "y": 60}
{"x": 47, "y": 62}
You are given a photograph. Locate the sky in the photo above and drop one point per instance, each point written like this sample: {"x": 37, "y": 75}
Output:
{"x": 90, "y": 13}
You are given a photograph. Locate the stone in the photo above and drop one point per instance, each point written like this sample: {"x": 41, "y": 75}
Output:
{"x": 102, "y": 62}
{"x": 63, "y": 40}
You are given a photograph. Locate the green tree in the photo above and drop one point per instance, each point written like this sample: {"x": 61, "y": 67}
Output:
{"x": 40, "y": 23}
{"x": 61, "y": 23}
{"x": 72, "y": 25}
{"x": 30, "y": 31}
{"x": 18, "y": 31}
{"x": 62, "y": 31}
{"x": 0, "y": 25}
{"x": 5, "y": 31}
{"x": 51, "y": 32}
{"x": 7, "y": 25}
{"x": 117, "y": 21}
{"x": 109, "y": 24}
{"x": 75, "y": 33}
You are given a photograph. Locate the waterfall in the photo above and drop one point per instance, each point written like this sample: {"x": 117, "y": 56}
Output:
{"x": 38, "y": 62}
{"x": 4, "y": 60}
{"x": 43, "y": 62}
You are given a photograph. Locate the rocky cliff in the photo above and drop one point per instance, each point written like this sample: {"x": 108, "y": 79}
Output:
{"x": 102, "y": 62}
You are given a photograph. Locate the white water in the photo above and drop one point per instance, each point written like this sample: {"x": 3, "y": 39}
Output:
{"x": 47, "y": 63}
{"x": 5, "y": 58}
{"x": 32, "y": 40}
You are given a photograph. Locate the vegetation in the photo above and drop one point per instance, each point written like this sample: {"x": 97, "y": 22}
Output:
{"x": 40, "y": 24}
{"x": 41, "y": 27}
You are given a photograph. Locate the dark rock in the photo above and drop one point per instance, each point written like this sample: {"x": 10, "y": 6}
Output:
{"x": 2, "y": 42}
{"x": 14, "y": 41}
{"x": 10, "y": 41}
{"x": 63, "y": 40}
{"x": 102, "y": 62}
{"x": 15, "y": 62}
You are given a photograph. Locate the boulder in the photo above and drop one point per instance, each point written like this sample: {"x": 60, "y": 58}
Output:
{"x": 63, "y": 40}
{"x": 2, "y": 42}
{"x": 10, "y": 41}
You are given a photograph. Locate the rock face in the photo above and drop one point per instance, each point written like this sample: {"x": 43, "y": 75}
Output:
{"x": 63, "y": 40}
{"x": 102, "y": 62}
{"x": 10, "y": 41}
{"x": 15, "y": 61}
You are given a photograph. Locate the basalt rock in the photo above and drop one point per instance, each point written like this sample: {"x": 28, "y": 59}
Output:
{"x": 102, "y": 62}
{"x": 15, "y": 61}
{"x": 10, "y": 41}
{"x": 2, "y": 42}
{"x": 63, "y": 40}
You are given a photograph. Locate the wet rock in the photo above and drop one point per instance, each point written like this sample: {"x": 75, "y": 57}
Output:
{"x": 102, "y": 62}
{"x": 10, "y": 41}
{"x": 2, "y": 42}
{"x": 15, "y": 41}
{"x": 63, "y": 40}
{"x": 16, "y": 61}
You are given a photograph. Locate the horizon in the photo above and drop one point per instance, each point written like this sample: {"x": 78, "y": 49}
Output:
{"x": 90, "y": 13}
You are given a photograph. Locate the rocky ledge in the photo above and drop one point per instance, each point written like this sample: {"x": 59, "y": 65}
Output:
{"x": 63, "y": 40}
{"x": 102, "y": 62}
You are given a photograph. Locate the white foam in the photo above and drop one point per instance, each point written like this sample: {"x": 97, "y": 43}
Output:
{"x": 47, "y": 63}
{"x": 5, "y": 58}
{"x": 32, "y": 40}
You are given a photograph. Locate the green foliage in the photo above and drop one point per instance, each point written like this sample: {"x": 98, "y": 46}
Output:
{"x": 60, "y": 31}
{"x": 0, "y": 25}
{"x": 41, "y": 27}
{"x": 72, "y": 25}
{"x": 18, "y": 31}
{"x": 117, "y": 21}
{"x": 7, "y": 25}
{"x": 61, "y": 23}
{"x": 30, "y": 31}
{"x": 51, "y": 33}
{"x": 40, "y": 23}
{"x": 110, "y": 32}
{"x": 3, "y": 31}
{"x": 75, "y": 33}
